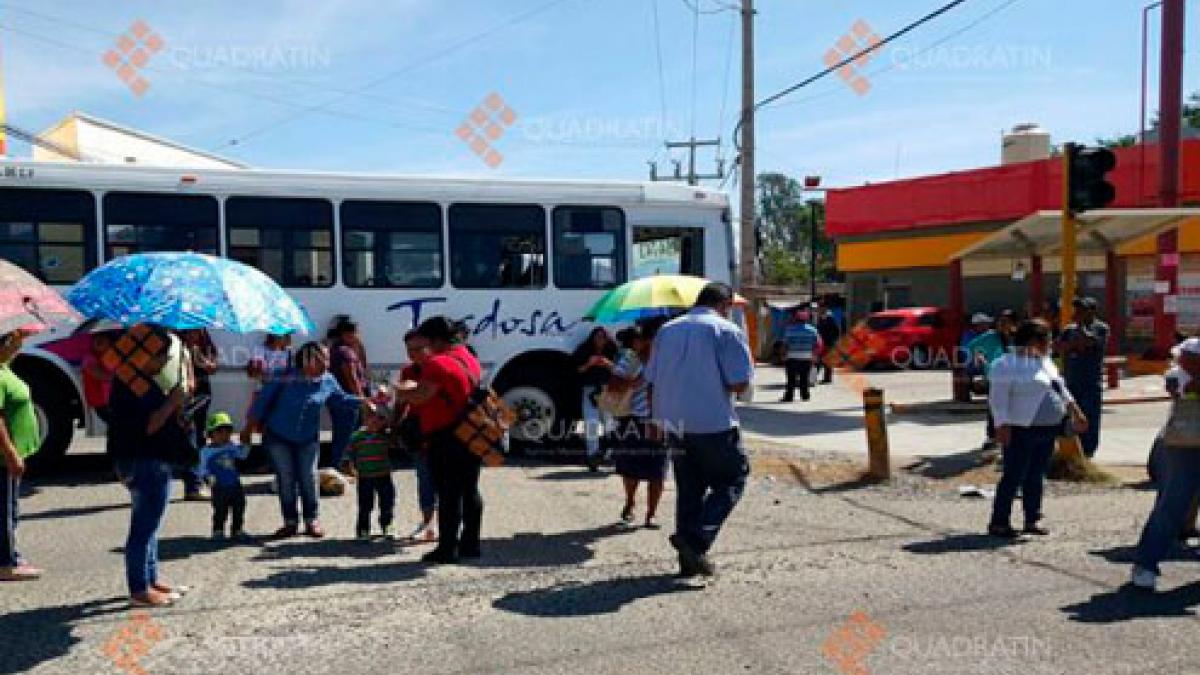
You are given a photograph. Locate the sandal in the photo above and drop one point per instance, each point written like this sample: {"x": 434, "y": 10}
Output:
{"x": 314, "y": 530}
{"x": 22, "y": 572}
{"x": 627, "y": 514}
{"x": 150, "y": 599}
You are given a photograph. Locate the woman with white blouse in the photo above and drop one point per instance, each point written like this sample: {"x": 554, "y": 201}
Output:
{"x": 1030, "y": 404}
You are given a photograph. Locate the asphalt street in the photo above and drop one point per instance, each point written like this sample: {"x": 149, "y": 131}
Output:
{"x": 892, "y": 579}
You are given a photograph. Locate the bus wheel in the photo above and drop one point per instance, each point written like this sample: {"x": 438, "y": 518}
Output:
{"x": 536, "y": 413}
{"x": 56, "y": 423}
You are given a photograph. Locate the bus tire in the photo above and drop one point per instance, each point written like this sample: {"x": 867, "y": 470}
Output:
{"x": 57, "y": 409}
{"x": 541, "y": 393}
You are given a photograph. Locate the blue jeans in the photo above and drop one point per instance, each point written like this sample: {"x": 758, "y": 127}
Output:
{"x": 1090, "y": 400}
{"x": 345, "y": 422}
{"x": 296, "y": 467}
{"x": 1177, "y": 488}
{"x": 149, "y": 484}
{"x": 10, "y": 513}
{"x": 426, "y": 490}
{"x": 710, "y": 477}
{"x": 1026, "y": 459}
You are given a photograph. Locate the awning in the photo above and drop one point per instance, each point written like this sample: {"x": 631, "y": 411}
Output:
{"x": 1098, "y": 232}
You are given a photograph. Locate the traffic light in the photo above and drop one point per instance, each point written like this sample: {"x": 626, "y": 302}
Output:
{"x": 1087, "y": 168}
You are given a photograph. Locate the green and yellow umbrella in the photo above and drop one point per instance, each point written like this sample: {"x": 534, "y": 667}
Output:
{"x": 662, "y": 295}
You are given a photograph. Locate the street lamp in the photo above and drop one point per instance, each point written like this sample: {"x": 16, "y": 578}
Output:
{"x": 811, "y": 183}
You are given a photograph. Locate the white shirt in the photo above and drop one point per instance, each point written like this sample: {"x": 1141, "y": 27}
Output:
{"x": 1018, "y": 385}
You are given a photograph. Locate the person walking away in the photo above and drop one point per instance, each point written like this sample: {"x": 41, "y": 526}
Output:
{"x": 830, "y": 332}
{"x": 369, "y": 461}
{"x": 1083, "y": 345}
{"x": 348, "y": 362}
{"x": 980, "y": 324}
{"x": 288, "y": 412}
{"x": 97, "y": 378}
{"x": 218, "y": 465}
{"x": 410, "y": 434}
{"x": 803, "y": 345}
{"x": 593, "y": 362}
{"x": 145, "y": 431}
{"x": 638, "y": 453}
{"x": 1030, "y": 403}
{"x": 203, "y": 356}
{"x": 19, "y": 440}
{"x": 983, "y": 352}
{"x": 1179, "y": 480}
{"x": 698, "y": 363}
{"x": 439, "y": 397}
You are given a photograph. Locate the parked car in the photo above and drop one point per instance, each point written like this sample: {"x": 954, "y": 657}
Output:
{"x": 914, "y": 337}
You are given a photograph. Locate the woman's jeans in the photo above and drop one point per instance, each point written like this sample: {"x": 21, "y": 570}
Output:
{"x": 345, "y": 422}
{"x": 460, "y": 505}
{"x": 1026, "y": 459}
{"x": 426, "y": 490}
{"x": 296, "y": 467}
{"x": 1178, "y": 485}
{"x": 10, "y": 487}
{"x": 594, "y": 421}
{"x": 149, "y": 483}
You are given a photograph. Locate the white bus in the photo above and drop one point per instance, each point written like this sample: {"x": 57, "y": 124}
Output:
{"x": 520, "y": 261}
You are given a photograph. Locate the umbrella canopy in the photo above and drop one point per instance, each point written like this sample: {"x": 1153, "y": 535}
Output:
{"x": 28, "y": 304}
{"x": 649, "y": 297}
{"x": 188, "y": 290}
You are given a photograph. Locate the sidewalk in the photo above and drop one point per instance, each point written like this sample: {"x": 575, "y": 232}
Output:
{"x": 832, "y": 422}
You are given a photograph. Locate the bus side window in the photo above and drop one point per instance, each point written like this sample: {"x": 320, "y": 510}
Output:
{"x": 289, "y": 238}
{"x": 391, "y": 244}
{"x": 589, "y": 247}
{"x": 497, "y": 246}
{"x": 49, "y": 233}
{"x": 144, "y": 222}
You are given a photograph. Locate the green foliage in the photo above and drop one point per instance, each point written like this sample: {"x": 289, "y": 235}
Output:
{"x": 785, "y": 232}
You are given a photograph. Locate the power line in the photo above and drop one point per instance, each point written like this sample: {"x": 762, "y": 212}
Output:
{"x": 662, "y": 82}
{"x": 694, "y": 6}
{"x": 849, "y": 59}
{"x": 920, "y": 52}
{"x": 733, "y": 20}
{"x": 439, "y": 54}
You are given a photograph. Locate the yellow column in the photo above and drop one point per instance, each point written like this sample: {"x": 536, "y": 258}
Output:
{"x": 1066, "y": 307}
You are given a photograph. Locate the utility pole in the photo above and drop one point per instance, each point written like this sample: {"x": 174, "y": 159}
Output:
{"x": 1066, "y": 300}
{"x": 692, "y": 177}
{"x": 749, "y": 240}
{"x": 1170, "y": 120}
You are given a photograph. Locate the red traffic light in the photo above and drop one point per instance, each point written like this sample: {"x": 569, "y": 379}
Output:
{"x": 1088, "y": 167}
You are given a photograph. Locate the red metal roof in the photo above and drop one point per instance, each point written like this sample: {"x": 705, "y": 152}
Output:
{"x": 996, "y": 193}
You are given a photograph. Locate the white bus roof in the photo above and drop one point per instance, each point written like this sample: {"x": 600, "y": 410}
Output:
{"x": 24, "y": 173}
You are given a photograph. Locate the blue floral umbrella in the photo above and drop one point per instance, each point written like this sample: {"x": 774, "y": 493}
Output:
{"x": 188, "y": 290}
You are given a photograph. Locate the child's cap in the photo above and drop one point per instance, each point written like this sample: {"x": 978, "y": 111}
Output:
{"x": 218, "y": 420}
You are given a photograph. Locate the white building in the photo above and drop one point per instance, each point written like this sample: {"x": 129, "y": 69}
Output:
{"x": 82, "y": 137}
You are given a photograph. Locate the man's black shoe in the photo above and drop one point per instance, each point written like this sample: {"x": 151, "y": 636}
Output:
{"x": 469, "y": 553}
{"x": 438, "y": 557}
{"x": 691, "y": 563}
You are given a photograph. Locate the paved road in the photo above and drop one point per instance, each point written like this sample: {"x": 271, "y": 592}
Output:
{"x": 559, "y": 590}
{"x": 832, "y": 421}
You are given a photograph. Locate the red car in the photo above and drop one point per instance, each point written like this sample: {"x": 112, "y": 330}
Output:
{"x": 914, "y": 337}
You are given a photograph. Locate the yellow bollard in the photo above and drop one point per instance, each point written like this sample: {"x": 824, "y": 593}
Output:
{"x": 878, "y": 463}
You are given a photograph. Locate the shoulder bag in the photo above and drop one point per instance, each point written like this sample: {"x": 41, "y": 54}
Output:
{"x": 483, "y": 425}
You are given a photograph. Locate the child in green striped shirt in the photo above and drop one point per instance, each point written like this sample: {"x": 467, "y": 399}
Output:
{"x": 369, "y": 460}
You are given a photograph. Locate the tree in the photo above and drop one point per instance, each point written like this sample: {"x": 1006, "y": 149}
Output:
{"x": 785, "y": 232}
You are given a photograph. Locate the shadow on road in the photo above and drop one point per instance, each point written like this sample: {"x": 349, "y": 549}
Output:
{"x": 71, "y": 512}
{"x": 960, "y": 543}
{"x": 35, "y": 636}
{"x": 793, "y": 421}
{"x": 325, "y": 548}
{"x": 589, "y": 599}
{"x": 580, "y": 474}
{"x": 949, "y": 466}
{"x": 532, "y": 549}
{"x": 1129, "y": 602}
{"x": 328, "y": 575}
{"x": 1125, "y": 554}
{"x": 178, "y": 548}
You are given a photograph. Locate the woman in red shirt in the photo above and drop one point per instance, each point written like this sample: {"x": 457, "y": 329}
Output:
{"x": 439, "y": 398}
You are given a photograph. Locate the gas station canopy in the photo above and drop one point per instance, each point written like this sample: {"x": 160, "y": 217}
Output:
{"x": 1098, "y": 231}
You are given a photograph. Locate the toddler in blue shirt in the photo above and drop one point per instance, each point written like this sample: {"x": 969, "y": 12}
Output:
{"x": 218, "y": 465}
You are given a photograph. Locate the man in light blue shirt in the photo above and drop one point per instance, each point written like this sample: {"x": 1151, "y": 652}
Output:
{"x": 698, "y": 363}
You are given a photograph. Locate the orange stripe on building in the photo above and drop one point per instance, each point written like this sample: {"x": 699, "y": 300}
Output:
{"x": 903, "y": 253}
{"x": 1189, "y": 241}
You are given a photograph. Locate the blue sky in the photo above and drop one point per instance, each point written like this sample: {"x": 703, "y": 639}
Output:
{"x": 392, "y": 80}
